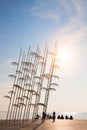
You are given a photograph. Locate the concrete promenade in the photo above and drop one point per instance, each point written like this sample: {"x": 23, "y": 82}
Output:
{"x": 48, "y": 125}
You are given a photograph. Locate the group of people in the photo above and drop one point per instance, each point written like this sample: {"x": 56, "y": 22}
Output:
{"x": 53, "y": 116}
{"x": 44, "y": 115}
{"x": 66, "y": 117}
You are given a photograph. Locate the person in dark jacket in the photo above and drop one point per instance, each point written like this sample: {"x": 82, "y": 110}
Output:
{"x": 43, "y": 116}
{"x": 54, "y": 116}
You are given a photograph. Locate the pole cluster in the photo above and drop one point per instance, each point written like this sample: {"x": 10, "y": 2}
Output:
{"x": 33, "y": 80}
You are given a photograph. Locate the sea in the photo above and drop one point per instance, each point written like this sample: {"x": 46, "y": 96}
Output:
{"x": 76, "y": 115}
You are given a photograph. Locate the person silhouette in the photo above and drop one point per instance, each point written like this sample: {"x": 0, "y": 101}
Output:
{"x": 54, "y": 116}
{"x": 43, "y": 116}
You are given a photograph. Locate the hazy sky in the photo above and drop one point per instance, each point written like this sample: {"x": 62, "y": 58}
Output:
{"x": 25, "y": 23}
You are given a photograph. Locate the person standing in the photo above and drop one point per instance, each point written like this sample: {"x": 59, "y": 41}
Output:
{"x": 54, "y": 116}
{"x": 43, "y": 116}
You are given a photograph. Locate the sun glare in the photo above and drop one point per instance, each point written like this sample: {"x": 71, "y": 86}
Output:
{"x": 64, "y": 56}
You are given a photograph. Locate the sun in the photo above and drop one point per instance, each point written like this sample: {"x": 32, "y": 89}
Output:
{"x": 65, "y": 56}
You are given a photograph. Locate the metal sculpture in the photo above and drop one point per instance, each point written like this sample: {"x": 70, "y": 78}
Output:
{"x": 30, "y": 75}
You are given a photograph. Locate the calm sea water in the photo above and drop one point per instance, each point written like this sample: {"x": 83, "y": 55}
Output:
{"x": 76, "y": 115}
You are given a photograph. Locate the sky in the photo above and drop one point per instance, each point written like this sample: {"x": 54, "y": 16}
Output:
{"x": 31, "y": 22}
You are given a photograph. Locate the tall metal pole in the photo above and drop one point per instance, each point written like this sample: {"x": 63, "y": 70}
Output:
{"x": 18, "y": 88}
{"x": 39, "y": 85}
{"x": 8, "y": 117}
{"x": 50, "y": 77}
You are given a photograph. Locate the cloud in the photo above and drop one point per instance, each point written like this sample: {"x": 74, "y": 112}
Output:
{"x": 56, "y": 9}
{"x": 45, "y": 9}
{"x": 69, "y": 13}
{"x": 76, "y": 6}
{"x": 74, "y": 31}
{"x": 51, "y": 14}
{"x": 80, "y": 6}
{"x": 70, "y": 38}
{"x": 75, "y": 24}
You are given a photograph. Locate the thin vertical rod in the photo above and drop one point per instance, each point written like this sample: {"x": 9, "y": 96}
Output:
{"x": 36, "y": 107}
{"x": 11, "y": 100}
{"x": 17, "y": 91}
{"x": 50, "y": 78}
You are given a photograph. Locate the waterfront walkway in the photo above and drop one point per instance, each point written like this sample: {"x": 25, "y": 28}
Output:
{"x": 48, "y": 125}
